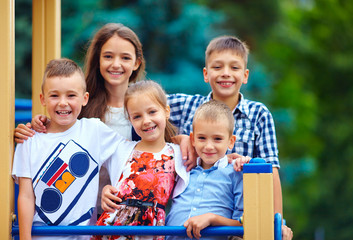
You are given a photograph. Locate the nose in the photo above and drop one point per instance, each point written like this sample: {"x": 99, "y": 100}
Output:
{"x": 226, "y": 72}
{"x": 116, "y": 62}
{"x": 63, "y": 102}
{"x": 209, "y": 145}
{"x": 146, "y": 120}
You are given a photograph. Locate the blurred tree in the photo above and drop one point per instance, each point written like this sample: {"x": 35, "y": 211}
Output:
{"x": 23, "y": 49}
{"x": 309, "y": 54}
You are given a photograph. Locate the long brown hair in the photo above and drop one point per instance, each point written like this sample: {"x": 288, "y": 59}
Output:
{"x": 98, "y": 103}
{"x": 155, "y": 91}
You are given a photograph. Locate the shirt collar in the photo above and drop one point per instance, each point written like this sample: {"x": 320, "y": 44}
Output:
{"x": 221, "y": 163}
{"x": 242, "y": 107}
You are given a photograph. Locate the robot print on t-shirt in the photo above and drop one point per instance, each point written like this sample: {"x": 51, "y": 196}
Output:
{"x": 62, "y": 180}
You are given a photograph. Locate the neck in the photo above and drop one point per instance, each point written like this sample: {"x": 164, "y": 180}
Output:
{"x": 148, "y": 146}
{"x": 116, "y": 96}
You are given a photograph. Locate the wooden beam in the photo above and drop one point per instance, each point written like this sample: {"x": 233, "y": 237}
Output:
{"x": 46, "y": 44}
{"x": 7, "y": 120}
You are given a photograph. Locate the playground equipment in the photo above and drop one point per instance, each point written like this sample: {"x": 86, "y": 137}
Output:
{"x": 259, "y": 220}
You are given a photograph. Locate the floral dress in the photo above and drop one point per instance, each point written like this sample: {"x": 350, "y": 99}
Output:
{"x": 148, "y": 177}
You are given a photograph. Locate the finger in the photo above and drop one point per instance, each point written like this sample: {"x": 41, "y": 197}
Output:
{"x": 29, "y": 125}
{"x": 19, "y": 140}
{"x": 188, "y": 231}
{"x": 196, "y": 232}
{"x": 106, "y": 208}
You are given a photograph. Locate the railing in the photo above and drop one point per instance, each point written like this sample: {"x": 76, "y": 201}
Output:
{"x": 259, "y": 222}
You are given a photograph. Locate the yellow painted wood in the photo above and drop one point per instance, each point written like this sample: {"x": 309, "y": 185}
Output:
{"x": 7, "y": 121}
{"x": 258, "y": 206}
{"x": 46, "y": 44}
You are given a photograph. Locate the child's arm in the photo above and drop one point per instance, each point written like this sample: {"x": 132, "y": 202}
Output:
{"x": 22, "y": 131}
{"x": 25, "y": 207}
{"x": 197, "y": 223}
{"x": 277, "y": 192}
{"x": 187, "y": 150}
{"x": 108, "y": 197}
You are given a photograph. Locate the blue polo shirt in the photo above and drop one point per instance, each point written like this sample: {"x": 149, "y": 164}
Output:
{"x": 217, "y": 190}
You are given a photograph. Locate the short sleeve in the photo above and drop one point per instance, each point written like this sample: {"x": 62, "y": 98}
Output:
{"x": 21, "y": 163}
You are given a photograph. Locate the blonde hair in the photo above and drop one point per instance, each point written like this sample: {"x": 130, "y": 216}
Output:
{"x": 62, "y": 67}
{"x": 214, "y": 111}
{"x": 157, "y": 94}
{"x": 232, "y": 43}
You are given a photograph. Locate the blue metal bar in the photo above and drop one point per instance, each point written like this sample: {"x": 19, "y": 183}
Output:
{"x": 128, "y": 230}
{"x": 23, "y": 110}
{"x": 23, "y": 104}
{"x": 278, "y": 226}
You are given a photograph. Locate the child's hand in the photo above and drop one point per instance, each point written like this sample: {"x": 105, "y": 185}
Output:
{"x": 233, "y": 156}
{"x": 287, "y": 233}
{"x": 22, "y": 132}
{"x": 197, "y": 223}
{"x": 187, "y": 151}
{"x": 108, "y": 198}
{"x": 239, "y": 162}
{"x": 39, "y": 123}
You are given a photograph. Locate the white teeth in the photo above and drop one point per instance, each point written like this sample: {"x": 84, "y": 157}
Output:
{"x": 116, "y": 73}
{"x": 226, "y": 83}
{"x": 63, "y": 112}
{"x": 149, "y": 129}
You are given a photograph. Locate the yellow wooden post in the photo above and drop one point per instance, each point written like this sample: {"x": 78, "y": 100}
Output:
{"x": 7, "y": 120}
{"x": 46, "y": 44}
{"x": 258, "y": 201}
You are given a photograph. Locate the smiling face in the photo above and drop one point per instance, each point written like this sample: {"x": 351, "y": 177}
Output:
{"x": 211, "y": 140}
{"x": 148, "y": 119}
{"x": 63, "y": 98}
{"x": 226, "y": 72}
{"x": 117, "y": 61}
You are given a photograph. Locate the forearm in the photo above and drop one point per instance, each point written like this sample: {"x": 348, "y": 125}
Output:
{"x": 277, "y": 192}
{"x": 217, "y": 220}
{"x": 25, "y": 208}
{"x": 25, "y": 218}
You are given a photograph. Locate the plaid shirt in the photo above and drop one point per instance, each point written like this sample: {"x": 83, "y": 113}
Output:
{"x": 254, "y": 125}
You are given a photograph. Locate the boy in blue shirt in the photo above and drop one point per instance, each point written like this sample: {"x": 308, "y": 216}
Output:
{"x": 214, "y": 196}
{"x": 226, "y": 71}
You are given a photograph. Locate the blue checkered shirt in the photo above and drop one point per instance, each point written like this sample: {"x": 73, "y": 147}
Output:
{"x": 254, "y": 125}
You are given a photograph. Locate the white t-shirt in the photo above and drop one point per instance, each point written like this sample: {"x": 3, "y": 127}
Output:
{"x": 115, "y": 119}
{"x": 64, "y": 169}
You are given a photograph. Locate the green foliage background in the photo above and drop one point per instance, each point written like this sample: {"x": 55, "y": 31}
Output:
{"x": 301, "y": 67}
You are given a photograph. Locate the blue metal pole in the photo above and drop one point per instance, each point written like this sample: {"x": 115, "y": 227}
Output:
{"x": 128, "y": 230}
{"x": 278, "y": 226}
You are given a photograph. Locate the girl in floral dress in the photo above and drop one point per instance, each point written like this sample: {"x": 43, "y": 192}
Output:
{"x": 146, "y": 179}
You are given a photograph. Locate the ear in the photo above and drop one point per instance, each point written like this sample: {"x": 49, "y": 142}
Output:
{"x": 205, "y": 75}
{"x": 232, "y": 140}
{"x": 192, "y": 140}
{"x": 137, "y": 64}
{"x": 42, "y": 100}
{"x": 167, "y": 111}
{"x": 85, "y": 98}
{"x": 246, "y": 76}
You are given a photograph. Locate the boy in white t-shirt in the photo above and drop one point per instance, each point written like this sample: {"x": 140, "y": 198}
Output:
{"x": 57, "y": 172}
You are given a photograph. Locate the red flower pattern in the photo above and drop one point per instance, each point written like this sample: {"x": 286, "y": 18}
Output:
{"x": 148, "y": 178}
